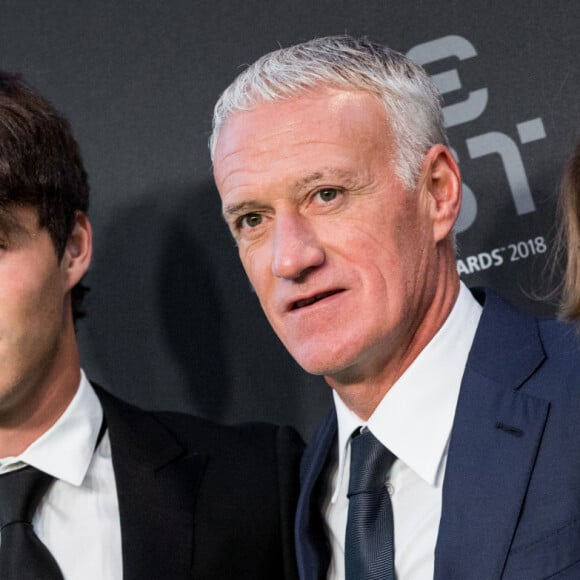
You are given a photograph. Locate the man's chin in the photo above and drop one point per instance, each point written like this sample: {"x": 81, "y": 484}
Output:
{"x": 325, "y": 365}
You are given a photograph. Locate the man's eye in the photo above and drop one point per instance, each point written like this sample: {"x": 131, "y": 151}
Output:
{"x": 251, "y": 220}
{"x": 327, "y": 195}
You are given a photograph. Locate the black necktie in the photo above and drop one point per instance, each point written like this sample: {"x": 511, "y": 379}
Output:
{"x": 22, "y": 555}
{"x": 369, "y": 548}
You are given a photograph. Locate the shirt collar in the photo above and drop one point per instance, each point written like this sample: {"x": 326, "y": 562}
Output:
{"x": 66, "y": 449}
{"x": 414, "y": 419}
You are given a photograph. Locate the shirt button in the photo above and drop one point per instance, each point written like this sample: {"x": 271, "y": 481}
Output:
{"x": 390, "y": 488}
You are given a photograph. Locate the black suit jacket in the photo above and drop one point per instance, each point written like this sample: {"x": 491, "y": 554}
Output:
{"x": 202, "y": 501}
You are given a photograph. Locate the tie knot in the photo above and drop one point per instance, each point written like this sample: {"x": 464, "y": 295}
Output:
{"x": 369, "y": 462}
{"x": 20, "y": 493}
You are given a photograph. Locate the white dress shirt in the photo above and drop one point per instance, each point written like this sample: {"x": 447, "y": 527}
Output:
{"x": 414, "y": 421}
{"x": 78, "y": 518}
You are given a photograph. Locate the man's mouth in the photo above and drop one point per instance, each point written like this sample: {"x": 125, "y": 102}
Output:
{"x": 308, "y": 301}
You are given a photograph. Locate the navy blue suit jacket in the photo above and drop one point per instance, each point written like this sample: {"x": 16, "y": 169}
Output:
{"x": 511, "y": 494}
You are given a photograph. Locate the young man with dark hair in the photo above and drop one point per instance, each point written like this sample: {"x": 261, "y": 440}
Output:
{"x": 115, "y": 492}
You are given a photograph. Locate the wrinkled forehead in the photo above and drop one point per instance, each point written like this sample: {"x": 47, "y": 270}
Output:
{"x": 322, "y": 112}
{"x": 288, "y": 145}
{"x": 328, "y": 93}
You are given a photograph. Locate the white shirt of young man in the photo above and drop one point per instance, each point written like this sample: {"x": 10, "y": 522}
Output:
{"x": 78, "y": 518}
{"x": 414, "y": 421}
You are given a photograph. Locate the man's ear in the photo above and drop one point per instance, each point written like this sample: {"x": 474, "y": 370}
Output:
{"x": 442, "y": 181}
{"x": 78, "y": 250}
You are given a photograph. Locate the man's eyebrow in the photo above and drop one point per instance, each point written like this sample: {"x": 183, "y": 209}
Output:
{"x": 237, "y": 208}
{"x": 305, "y": 181}
{"x": 251, "y": 205}
{"x": 326, "y": 173}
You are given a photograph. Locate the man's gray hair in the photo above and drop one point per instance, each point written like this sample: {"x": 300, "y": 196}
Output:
{"x": 411, "y": 101}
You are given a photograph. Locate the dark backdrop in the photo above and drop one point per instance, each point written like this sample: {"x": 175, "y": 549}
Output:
{"x": 173, "y": 323}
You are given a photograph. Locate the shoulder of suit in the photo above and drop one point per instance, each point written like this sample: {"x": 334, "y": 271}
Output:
{"x": 204, "y": 434}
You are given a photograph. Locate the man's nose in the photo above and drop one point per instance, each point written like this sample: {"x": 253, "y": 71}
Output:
{"x": 296, "y": 246}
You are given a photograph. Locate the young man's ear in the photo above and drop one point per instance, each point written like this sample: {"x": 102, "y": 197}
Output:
{"x": 78, "y": 250}
{"x": 443, "y": 183}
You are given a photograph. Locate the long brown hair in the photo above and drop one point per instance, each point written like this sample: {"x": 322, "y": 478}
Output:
{"x": 569, "y": 210}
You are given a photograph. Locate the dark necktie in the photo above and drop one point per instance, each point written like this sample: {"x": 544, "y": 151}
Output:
{"x": 22, "y": 555}
{"x": 369, "y": 548}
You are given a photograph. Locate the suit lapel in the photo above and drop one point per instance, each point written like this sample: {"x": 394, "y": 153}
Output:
{"x": 312, "y": 551}
{"x": 494, "y": 443}
{"x": 157, "y": 487}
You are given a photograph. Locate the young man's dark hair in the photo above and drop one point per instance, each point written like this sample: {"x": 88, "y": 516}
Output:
{"x": 41, "y": 165}
{"x": 139, "y": 494}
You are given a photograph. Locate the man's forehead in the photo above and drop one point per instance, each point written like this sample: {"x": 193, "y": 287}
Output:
{"x": 324, "y": 99}
{"x": 294, "y": 143}
{"x": 18, "y": 219}
{"x": 330, "y": 114}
